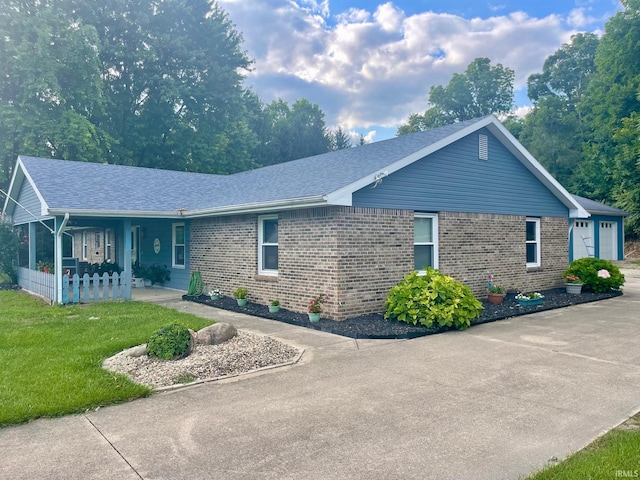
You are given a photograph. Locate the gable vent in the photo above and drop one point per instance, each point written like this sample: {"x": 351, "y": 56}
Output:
{"x": 483, "y": 147}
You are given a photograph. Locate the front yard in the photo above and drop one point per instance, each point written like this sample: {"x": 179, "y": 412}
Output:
{"x": 51, "y": 357}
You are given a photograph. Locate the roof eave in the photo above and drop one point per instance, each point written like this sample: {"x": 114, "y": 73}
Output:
{"x": 82, "y": 212}
{"x": 260, "y": 207}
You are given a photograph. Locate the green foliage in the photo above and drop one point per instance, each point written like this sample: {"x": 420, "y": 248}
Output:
{"x": 45, "y": 266}
{"x": 275, "y": 303}
{"x": 169, "y": 342}
{"x": 587, "y": 269}
{"x": 9, "y": 244}
{"x": 481, "y": 90}
{"x": 432, "y": 299}
{"x": 156, "y": 274}
{"x": 196, "y": 287}
{"x": 496, "y": 289}
{"x": 5, "y": 279}
{"x": 240, "y": 293}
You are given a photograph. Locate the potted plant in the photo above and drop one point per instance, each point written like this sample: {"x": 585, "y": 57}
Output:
{"x": 530, "y": 299}
{"x": 214, "y": 294}
{"x": 315, "y": 307}
{"x": 137, "y": 277}
{"x": 240, "y": 294}
{"x": 275, "y": 306}
{"x": 496, "y": 294}
{"x": 573, "y": 284}
{"x": 155, "y": 274}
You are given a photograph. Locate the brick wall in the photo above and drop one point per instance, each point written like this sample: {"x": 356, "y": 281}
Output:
{"x": 472, "y": 245}
{"x": 355, "y": 255}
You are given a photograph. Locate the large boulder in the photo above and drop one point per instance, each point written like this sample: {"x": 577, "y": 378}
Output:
{"x": 216, "y": 334}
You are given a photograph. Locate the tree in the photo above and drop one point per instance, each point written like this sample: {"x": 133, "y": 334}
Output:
{"x": 610, "y": 98}
{"x": 481, "y": 90}
{"x": 50, "y": 84}
{"x": 339, "y": 140}
{"x": 155, "y": 84}
{"x": 292, "y": 132}
{"x": 554, "y": 131}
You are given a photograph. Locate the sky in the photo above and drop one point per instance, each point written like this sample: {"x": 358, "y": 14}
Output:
{"x": 369, "y": 64}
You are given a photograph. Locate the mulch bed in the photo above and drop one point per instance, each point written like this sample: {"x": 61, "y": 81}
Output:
{"x": 375, "y": 326}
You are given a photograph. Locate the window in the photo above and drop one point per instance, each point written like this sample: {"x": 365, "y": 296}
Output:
{"x": 84, "y": 245}
{"x": 178, "y": 240}
{"x": 533, "y": 242}
{"x": 108, "y": 245}
{"x": 268, "y": 245}
{"x": 425, "y": 241}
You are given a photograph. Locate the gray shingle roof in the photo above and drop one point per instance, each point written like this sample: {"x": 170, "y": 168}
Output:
{"x": 597, "y": 208}
{"x": 68, "y": 185}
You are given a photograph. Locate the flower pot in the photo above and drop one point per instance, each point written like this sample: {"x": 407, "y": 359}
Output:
{"x": 314, "y": 317}
{"x": 530, "y": 302}
{"x": 241, "y": 302}
{"x": 274, "y": 309}
{"x": 574, "y": 288}
{"x": 495, "y": 298}
{"x": 215, "y": 297}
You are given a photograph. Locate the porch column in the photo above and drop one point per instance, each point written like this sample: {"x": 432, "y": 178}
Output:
{"x": 126, "y": 231}
{"x": 32, "y": 246}
{"x": 60, "y": 224}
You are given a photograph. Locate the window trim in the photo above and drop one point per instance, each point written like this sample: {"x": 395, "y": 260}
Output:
{"x": 538, "y": 262}
{"x": 174, "y": 245}
{"x": 108, "y": 245}
{"x": 85, "y": 245}
{"x": 263, "y": 271}
{"x": 434, "y": 243}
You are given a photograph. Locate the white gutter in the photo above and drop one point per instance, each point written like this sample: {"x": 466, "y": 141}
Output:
{"x": 58, "y": 258}
{"x": 304, "y": 202}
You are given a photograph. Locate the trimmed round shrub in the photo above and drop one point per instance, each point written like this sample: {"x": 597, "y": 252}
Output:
{"x": 432, "y": 299}
{"x": 587, "y": 269}
{"x": 169, "y": 342}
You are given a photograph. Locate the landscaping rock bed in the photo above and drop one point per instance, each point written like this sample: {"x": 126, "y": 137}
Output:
{"x": 375, "y": 326}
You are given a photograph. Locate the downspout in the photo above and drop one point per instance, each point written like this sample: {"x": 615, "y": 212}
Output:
{"x": 58, "y": 257}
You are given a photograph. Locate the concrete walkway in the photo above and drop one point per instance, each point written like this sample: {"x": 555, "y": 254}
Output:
{"x": 494, "y": 402}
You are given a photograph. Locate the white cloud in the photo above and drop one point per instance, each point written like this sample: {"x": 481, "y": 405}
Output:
{"x": 375, "y": 68}
{"x": 578, "y": 18}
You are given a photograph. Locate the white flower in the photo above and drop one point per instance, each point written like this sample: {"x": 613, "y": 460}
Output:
{"x": 604, "y": 273}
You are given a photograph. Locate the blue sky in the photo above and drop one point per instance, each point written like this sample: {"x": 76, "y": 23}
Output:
{"x": 370, "y": 64}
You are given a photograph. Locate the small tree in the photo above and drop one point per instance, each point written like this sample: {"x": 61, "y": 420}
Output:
{"x": 8, "y": 250}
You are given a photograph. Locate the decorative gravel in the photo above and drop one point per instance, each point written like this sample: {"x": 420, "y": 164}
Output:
{"x": 375, "y": 326}
{"x": 243, "y": 353}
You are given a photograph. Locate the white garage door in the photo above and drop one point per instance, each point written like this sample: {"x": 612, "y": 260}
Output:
{"x": 583, "y": 245}
{"x": 609, "y": 240}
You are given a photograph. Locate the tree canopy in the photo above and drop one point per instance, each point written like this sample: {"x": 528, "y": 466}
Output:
{"x": 154, "y": 84}
{"x": 481, "y": 90}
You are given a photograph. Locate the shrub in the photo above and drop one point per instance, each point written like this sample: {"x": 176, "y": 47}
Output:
{"x": 9, "y": 244}
{"x": 432, "y": 299}
{"x": 5, "y": 280}
{"x": 587, "y": 269}
{"x": 169, "y": 342}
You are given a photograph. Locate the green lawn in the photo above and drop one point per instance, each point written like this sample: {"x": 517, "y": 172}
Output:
{"x": 51, "y": 357}
{"x": 614, "y": 455}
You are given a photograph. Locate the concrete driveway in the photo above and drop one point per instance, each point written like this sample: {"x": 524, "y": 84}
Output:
{"x": 497, "y": 401}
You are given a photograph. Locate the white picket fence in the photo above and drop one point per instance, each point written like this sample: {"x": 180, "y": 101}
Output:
{"x": 77, "y": 289}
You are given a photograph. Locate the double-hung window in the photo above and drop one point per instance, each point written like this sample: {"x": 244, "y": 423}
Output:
{"x": 108, "y": 245}
{"x": 84, "y": 245}
{"x": 178, "y": 241}
{"x": 268, "y": 245}
{"x": 425, "y": 241}
{"x": 533, "y": 242}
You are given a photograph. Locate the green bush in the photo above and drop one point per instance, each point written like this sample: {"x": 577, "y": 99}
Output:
{"x": 169, "y": 342}
{"x": 5, "y": 279}
{"x": 8, "y": 250}
{"x": 587, "y": 269}
{"x": 432, "y": 299}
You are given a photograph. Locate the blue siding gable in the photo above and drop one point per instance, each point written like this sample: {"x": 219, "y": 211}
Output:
{"x": 454, "y": 179}
{"x": 29, "y": 199}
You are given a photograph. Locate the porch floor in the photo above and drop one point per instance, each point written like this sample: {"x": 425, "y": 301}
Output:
{"x": 156, "y": 294}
